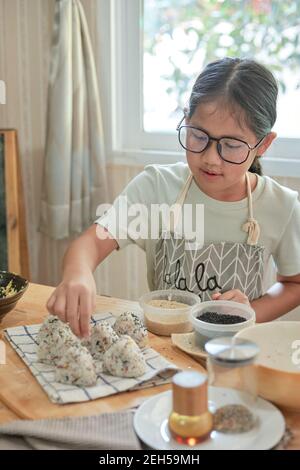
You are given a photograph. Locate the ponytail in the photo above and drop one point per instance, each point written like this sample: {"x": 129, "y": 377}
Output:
{"x": 256, "y": 166}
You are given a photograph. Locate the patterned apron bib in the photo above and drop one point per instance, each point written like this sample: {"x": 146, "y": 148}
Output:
{"x": 216, "y": 267}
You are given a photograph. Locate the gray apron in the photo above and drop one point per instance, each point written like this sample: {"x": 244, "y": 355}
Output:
{"x": 216, "y": 267}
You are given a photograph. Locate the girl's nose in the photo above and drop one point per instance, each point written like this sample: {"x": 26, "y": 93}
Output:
{"x": 211, "y": 154}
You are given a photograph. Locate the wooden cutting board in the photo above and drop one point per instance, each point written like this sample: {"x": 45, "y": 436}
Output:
{"x": 23, "y": 395}
{"x": 6, "y": 414}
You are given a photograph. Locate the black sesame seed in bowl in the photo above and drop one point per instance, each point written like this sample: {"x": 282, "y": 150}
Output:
{"x": 220, "y": 318}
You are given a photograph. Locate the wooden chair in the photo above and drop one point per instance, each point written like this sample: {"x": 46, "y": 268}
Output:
{"x": 13, "y": 238}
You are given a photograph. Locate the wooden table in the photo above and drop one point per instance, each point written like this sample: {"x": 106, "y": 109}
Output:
{"x": 31, "y": 309}
{"x": 24, "y": 397}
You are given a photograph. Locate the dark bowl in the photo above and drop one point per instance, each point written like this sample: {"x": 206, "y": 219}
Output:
{"x": 18, "y": 283}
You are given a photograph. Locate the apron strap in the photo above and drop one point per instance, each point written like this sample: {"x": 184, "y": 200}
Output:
{"x": 251, "y": 226}
{"x": 174, "y": 215}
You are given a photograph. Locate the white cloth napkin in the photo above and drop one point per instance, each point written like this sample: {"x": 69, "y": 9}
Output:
{"x": 109, "y": 431}
{"x": 23, "y": 340}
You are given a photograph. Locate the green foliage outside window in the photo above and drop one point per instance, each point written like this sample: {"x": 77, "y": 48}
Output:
{"x": 266, "y": 30}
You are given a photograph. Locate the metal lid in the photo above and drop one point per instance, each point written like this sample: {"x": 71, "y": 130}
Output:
{"x": 190, "y": 393}
{"x": 232, "y": 351}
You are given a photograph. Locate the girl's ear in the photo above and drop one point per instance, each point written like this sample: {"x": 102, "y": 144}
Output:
{"x": 186, "y": 114}
{"x": 266, "y": 143}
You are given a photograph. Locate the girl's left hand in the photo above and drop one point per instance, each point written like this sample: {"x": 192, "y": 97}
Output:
{"x": 235, "y": 295}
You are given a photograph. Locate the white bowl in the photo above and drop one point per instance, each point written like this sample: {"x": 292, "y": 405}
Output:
{"x": 165, "y": 321}
{"x": 205, "y": 331}
{"x": 278, "y": 362}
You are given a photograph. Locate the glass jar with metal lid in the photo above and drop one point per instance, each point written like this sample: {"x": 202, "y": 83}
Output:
{"x": 231, "y": 371}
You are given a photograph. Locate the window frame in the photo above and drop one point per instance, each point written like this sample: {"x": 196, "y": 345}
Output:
{"x": 121, "y": 42}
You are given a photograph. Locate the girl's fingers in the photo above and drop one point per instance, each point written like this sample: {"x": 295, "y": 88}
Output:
{"x": 229, "y": 295}
{"x": 73, "y": 311}
{"x": 235, "y": 295}
{"x": 216, "y": 296}
{"x": 94, "y": 303}
{"x": 59, "y": 307}
{"x": 50, "y": 303}
{"x": 86, "y": 307}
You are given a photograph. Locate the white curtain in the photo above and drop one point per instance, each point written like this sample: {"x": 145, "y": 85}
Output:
{"x": 74, "y": 179}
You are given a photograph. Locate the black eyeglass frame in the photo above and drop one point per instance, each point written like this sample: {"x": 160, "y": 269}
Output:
{"x": 179, "y": 126}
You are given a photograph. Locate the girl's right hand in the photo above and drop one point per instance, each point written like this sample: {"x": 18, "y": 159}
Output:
{"x": 74, "y": 301}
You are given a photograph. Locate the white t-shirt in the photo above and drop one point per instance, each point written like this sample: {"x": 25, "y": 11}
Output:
{"x": 275, "y": 207}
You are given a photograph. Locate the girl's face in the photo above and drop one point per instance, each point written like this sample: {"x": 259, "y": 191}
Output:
{"x": 219, "y": 179}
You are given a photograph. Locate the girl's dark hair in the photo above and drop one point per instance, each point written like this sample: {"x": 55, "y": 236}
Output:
{"x": 245, "y": 86}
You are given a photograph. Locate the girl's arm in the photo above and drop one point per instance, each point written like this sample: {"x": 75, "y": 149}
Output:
{"x": 279, "y": 299}
{"x": 74, "y": 298}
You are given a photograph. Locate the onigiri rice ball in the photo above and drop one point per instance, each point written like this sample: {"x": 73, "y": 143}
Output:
{"x": 76, "y": 367}
{"x": 130, "y": 324}
{"x": 102, "y": 337}
{"x": 53, "y": 336}
{"x": 124, "y": 358}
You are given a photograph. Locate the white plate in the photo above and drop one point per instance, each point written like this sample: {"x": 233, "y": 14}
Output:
{"x": 151, "y": 424}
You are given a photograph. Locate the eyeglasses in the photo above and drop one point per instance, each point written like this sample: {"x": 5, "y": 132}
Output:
{"x": 230, "y": 149}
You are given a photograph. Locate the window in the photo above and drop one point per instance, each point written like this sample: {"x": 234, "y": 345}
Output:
{"x": 159, "y": 47}
{"x": 181, "y": 36}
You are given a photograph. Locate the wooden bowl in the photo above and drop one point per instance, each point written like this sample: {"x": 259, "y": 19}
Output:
{"x": 19, "y": 284}
{"x": 278, "y": 363}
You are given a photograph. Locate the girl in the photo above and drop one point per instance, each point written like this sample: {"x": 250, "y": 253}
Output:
{"x": 249, "y": 218}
